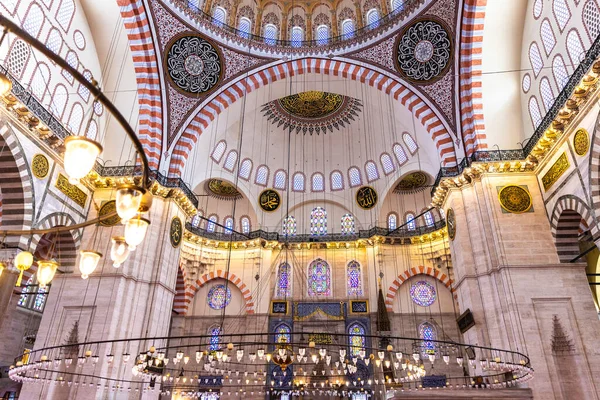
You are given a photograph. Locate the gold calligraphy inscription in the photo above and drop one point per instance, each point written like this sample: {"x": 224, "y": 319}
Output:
{"x": 366, "y": 197}
{"x": 269, "y": 200}
{"x": 556, "y": 170}
{"x": 176, "y": 231}
{"x": 71, "y": 191}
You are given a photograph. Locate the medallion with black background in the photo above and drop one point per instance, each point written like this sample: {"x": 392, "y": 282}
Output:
{"x": 176, "y": 231}
{"x": 193, "y": 64}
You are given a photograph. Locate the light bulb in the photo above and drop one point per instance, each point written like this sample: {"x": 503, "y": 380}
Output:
{"x": 5, "y": 85}
{"x": 46, "y": 271}
{"x": 128, "y": 200}
{"x": 119, "y": 250}
{"x": 88, "y": 262}
{"x": 135, "y": 231}
{"x": 80, "y": 156}
{"x": 22, "y": 262}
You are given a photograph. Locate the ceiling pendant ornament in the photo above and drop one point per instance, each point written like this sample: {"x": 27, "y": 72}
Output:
{"x": 222, "y": 190}
{"x": 581, "y": 142}
{"x": 366, "y": 197}
{"x": 312, "y": 111}
{"x": 515, "y": 199}
{"x": 193, "y": 64}
{"x": 423, "y": 51}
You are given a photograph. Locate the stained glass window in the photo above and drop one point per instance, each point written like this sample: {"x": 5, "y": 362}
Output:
{"x": 319, "y": 278}
{"x": 27, "y": 289}
{"x": 282, "y": 334}
{"x": 270, "y": 34}
{"x": 354, "y": 279}
{"x": 298, "y": 180}
{"x": 397, "y": 5}
{"x": 348, "y": 28}
{"x": 40, "y": 299}
{"x": 245, "y": 169}
{"x": 288, "y": 226}
{"x": 575, "y": 47}
{"x": 228, "y": 225}
{"x": 318, "y": 182}
{"x": 387, "y": 164}
{"x": 262, "y": 175}
{"x": 284, "y": 281}
{"x": 196, "y": 219}
{"x": 561, "y": 13}
{"x": 371, "y": 169}
{"x": 410, "y": 142}
{"x": 210, "y": 227}
{"x": 559, "y": 70}
{"x": 354, "y": 177}
{"x": 591, "y": 19}
{"x": 534, "y": 112}
{"x": 546, "y": 93}
{"x": 373, "y": 18}
{"x": 428, "y": 333}
{"x": 279, "y": 180}
{"x": 297, "y": 36}
{"x": 428, "y": 217}
{"x": 218, "y": 151}
{"x": 219, "y": 297}
{"x": 219, "y": 16}
{"x": 348, "y": 224}
{"x": 245, "y": 222}
{"x": 410, "y": 222}
{"x": 422, "y": 293}
{"x": 400, "y": 154}
{"x": 337, "y": 181}
{"x": 318, "y": 221}
{"x": 392, "y": 221}
{"x": 244, "y": 27}
{"x": 356, "y": 338}
{"x": 215, "y": 338}
{"x": 322, "y": 34}
{"x": 548, "y": 39}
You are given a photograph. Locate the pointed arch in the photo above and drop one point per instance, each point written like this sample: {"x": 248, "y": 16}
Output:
{"x": 569, "y": 218}
{"x": 409, "y": 273}
{"x": 237, "y": 281}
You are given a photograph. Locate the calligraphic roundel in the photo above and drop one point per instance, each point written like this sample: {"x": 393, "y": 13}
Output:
{"x": 366, "y": 197}
{"x": 269, "y": 200}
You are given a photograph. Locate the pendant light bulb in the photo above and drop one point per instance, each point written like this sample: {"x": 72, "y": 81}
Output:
{"x": 80, "y": 157}
{"x": 45, "y": 272}
{"x": 128, "y": 200}
{"x": 2, "y": 267}
{"x": 88, "y": 262}
{"x": 23, "y": 262}
{"x": 135, "y": 231}
{"x": 5, "y": 85}
{"x": 119, "y": 251}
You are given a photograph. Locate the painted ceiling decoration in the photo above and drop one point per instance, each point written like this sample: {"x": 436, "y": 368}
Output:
{"x": 415, "y": 181}
{"x": 222, "y": 190}
{"x": 312, "y": 111}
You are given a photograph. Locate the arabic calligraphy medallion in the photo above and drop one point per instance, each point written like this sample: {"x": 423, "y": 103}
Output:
{"x": 176, "y": 231}
{"x": 269, "y": 200}
{"x": 108, "y": 208}
{"x": 366, "y": 197}
{"x": 451, "y": 223}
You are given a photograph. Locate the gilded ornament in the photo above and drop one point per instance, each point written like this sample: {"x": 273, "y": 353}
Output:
{"x": 366, "y": 197}
{"x": 556, "y": 170}
{"x": 451, "y": 223}
{"x": 581, "y": 142}
{"x": 106, "y": 208}
{"x": 176, "y": 232}
{"x": 71, "y": 191}
{"x": 269, "y": 200}
{"x": 222, "y": 190}
{"x": 515, "y": 199}
{"x": 412, "y": 182}
{"x": 40, "y": 166}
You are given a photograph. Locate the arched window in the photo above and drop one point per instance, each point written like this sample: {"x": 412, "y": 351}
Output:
{"x": 371, "y": 170}
{"x": 297, "y": 36}
{"x": 397, "y": 5}
{"x": 245, "y": 222}
{"x": 92, "y": 130}
{"x": 245, "y": 169}
{"x": 17, "y": 58}
{"x": 318, "y": 221}
{"x": 244, "y": 27}
{"x": 591, "y": 19}
{"x": 319, "y": 278}
{"x": 210, "y": 226}
{"x": 526, "y": 84}
{"x": 54, "y": 41}
{"x": 82, "y": 90}
{"x": 33, "y": 297}
{"x": 387, "y": 164}
{"x": 219, "y": 16}
{"x": 270, "y": 34}
{"x": 284, "y": 281}
{"x": 559, "y": 71}
{"x": 373, "y": 18}
{"x": 283, "y": 334}
{"x": 218, "y": 151}
{"x": 548, "y": 39}
{"x": 73, "y": 62}
{"x": 65, "y": 14}
{"x": 535, "y": 58}
{"x": 410, "y": 142}
{"x": 228, "y": 225}
{"x": 534, "y": 112}
{"x": 356, "y": 339}
{"x": 196, "y": 219}
{"x": 411, "y": 224}
{"x": 575, "y": 47}
{"x": 298, "y": 182}
{"x": 354, "y": 177}
{"x": 318, "y": 182}
{"x": 262, "y": 175}
{"x": 40, "y": 81}
{"x": 428, "y": 333}
{"x": 538, "y": 6}
{"x": 322, "y": 34}
{"x": 347, "y": 224}
{"x": 230, "y": 160}
{"x": 428, "y": 218}
{"x": 561, "y": 13}
{"x": 59, "y": 100}
{"x": 354, "y": 276}
{"x": 348, "y": 28}
{"x": 194, "y": 5}
{"x": 288, "y": 226}
{"x": 75, "y": 118}
{"x": 337, "y": 180}
{"x": 279, "y": 182}
{"x": 400, "y": 154}
{"x": 215, "y": 338}
{"x": 546, "y": 93}
{"x": 392, "y": 221}
{"x": 33, "y": 20}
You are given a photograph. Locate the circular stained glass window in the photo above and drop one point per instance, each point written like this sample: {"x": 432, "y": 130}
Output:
{"x": 219, "y": 296}
{"x": 422, "y": 293}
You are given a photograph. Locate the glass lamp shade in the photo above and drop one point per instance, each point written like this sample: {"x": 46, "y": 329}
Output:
{"x": 119, "y": 251}
{"x": 88, "y": 262}
{"x": 2, "y": 267}
{"x": 135, "y": 231}
{"x": 129, "y": 198}
{"x": 45, "y": 272}
{"x": 23, "y": 262}
{"x": 5, "y": 85}
{"x": 80, "y": 156}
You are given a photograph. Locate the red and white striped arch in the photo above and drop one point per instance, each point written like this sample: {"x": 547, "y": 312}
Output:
{"x": 390, "y": 85}
{"x": 471, "y": 100}
{"x": 414, "y": 271}
{"x": 145, "y": 63}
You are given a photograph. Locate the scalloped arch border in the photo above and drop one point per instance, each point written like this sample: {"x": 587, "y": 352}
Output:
{"x": 414, "y": 271}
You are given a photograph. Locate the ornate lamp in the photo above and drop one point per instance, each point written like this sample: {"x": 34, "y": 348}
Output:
{"x": 118, "y": 251}
{"x": 5, "y": 85}
{"x": 128, "y": 201}
{"x": 46, "y": 271}
{"x": 80, "y": 156}
{"x": 88, "y": 262}
{"x": 2, "y": 267}
{"x": 23, "y": 262}
{"x": 135, "y": 231}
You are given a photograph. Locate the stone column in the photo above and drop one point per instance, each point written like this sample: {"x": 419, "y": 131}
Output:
{"x": 507, "y": 272}
{"x": 385, "y": 9}
{"x": 132, "y": 301}
{"x": 359, "y": 16}
{"x": 233, "y": 14}
{"x": 309, "y": 31}
{"x": 258, "y": 21}
{"x": 207, "y": 7}
{"x": 334, "y": 23}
